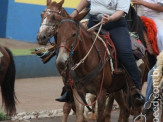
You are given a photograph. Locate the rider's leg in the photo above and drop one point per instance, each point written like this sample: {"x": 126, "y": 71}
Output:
{"x": 149, "y": 84}
{"x": 66, "y": 95}
{"x": 121, "y": 39}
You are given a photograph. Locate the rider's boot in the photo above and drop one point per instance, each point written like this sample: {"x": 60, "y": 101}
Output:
{"x": 46, "y": 56}
{"x": 42, "y": 54}
{"x": 66, "y": 95}
{"x": 137, "y": 98}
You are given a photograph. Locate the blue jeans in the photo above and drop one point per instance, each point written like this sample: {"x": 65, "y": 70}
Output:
{"x": 149, "y": 90}
{"x": 120, "y": 35}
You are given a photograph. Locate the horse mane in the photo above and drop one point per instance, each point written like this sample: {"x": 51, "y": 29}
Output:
{"x": 89, "y": 34}
{"x": 135, "y": 24}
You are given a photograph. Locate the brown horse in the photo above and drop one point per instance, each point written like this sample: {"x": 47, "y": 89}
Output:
{"x": 42, "y": 37}
{"x": 70, "y": 34}
{"x": 7, "y": 80}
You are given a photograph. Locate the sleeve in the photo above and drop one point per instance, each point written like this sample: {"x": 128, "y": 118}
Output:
{"x": 123, "y": 5}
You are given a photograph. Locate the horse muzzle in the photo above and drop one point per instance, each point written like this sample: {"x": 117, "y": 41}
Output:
{"x": 42, "y": 39}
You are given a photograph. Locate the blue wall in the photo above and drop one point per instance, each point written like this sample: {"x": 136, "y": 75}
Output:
{"x": 3, "y": 17}
{"x": 31, "y": 66}
{"x": 23, "y": 20}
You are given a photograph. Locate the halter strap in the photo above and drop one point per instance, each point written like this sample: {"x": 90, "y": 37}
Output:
{"x": 48, "y": 11}
{"x": 69, "y": 20}
{"x": 76, "y": 42}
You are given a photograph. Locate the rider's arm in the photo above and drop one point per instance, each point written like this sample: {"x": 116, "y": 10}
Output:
{"x": 80, "y": 7}
{"x": 154, "y": 6}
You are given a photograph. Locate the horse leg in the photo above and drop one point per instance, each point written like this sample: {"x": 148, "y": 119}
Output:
{"x": 108, "y": 108}
{"x": 101, "y": 106}
{"x": 79, "y": 107}
{"x": 124, "y": 110}
{"x": 66, "y": 110}
{"x": 89, "y": 98}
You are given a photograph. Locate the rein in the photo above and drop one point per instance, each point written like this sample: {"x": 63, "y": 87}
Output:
{"x": 75, "y": 44}
{"x": 92, "y": 74}
{"x": 101, "y": 86}
{"x": 82, "y": 60}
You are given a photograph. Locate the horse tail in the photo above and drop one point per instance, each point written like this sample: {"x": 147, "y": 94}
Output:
{"x": 7, "y": 87}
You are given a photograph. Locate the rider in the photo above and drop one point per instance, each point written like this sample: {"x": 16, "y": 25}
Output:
{"x": 112, "y": 15}
{"x": 153, "y": 10}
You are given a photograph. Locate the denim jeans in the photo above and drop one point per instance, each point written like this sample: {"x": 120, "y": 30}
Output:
{"x": 149, "y": 90}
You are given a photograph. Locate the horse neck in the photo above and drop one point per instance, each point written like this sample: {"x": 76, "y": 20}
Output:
{"x": 85, "y": 43}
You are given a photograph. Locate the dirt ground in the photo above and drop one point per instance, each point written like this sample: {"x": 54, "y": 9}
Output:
{"x": 39, "y": 94}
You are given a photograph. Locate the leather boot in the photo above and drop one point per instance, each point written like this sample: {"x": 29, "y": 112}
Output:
{"x": 137, "y": 98}
{"x": 66, "y": 95}
{"x": 42, "y": 54}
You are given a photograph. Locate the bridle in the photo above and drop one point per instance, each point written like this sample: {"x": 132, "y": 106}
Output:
{"x": 76, "y": 41}
{"x": 52, "y": 26}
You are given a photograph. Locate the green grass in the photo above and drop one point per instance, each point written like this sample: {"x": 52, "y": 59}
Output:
{"x": 3, "y": 116}
{"x": 19, "y": 52}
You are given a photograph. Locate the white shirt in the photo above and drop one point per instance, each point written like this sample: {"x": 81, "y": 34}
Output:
{"x": 108, "y": 6}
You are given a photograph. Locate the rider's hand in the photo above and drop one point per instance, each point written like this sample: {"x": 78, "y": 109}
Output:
{"x": 105, "y": 18}
{"x": 137, "y": 2}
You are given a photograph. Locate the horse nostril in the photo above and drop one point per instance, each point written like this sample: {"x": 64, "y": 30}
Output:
{"x": 44, "y": 37}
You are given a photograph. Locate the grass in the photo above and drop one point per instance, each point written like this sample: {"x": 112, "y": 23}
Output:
{"x": 19, "y": 52}
{"x": 3, "y": 116}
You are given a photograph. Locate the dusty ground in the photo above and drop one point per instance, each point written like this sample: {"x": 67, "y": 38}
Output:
{"x": 38, "y": 94}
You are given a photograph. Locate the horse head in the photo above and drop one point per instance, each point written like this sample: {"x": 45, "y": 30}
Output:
{"x": 48, "y": 22}
{"x": 68, "y": 37}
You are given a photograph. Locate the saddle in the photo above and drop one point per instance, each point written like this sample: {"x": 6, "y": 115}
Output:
{"x": 137, "y": 48}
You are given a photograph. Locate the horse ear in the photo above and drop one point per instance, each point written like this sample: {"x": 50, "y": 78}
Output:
{"x": 48, "y": 2}
{"x": 81, "y": 15}
{"x": 60, "y": 4}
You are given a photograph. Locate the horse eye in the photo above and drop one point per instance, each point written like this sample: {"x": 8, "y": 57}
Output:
{"x": 73, "y": 35}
